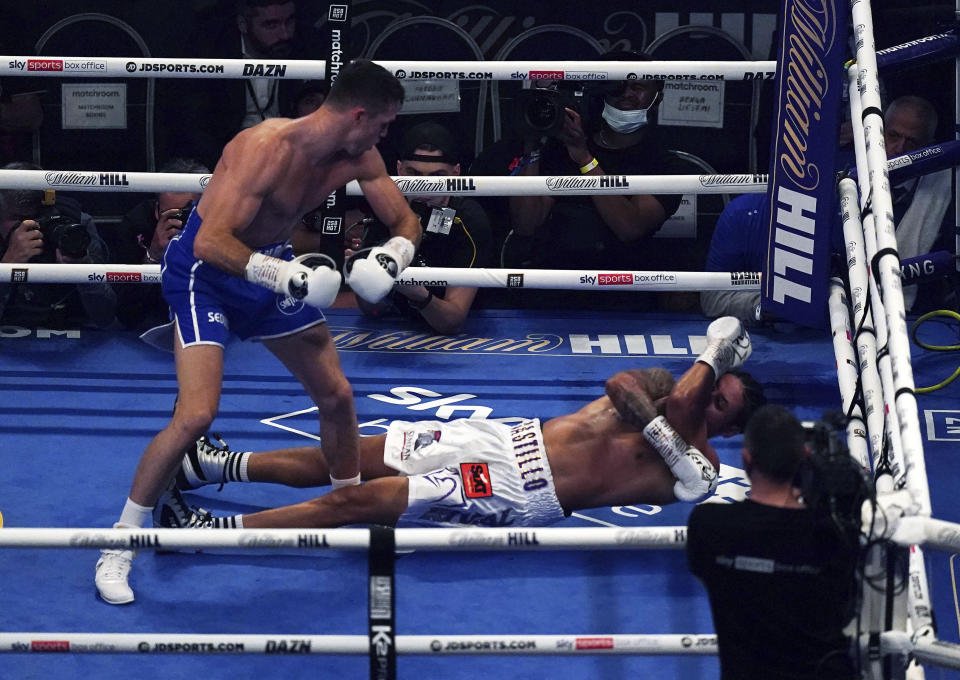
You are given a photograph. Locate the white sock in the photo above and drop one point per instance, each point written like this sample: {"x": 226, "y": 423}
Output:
{"x": 242, "y": 467}
{"x": 135, "y": 515}
{"x": 340, "y": 483}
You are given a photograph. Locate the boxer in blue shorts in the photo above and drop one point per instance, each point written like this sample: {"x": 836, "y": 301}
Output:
{"x": 231, "y": 270}
{"x": 644, "y": 442}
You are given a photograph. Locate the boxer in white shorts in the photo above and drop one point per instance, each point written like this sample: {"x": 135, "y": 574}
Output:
{"x": 478, "y": 472}
{"x": 644, "y": 442}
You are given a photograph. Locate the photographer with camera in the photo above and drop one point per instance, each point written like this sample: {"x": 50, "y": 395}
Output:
{"x": 456, "y": 233}
{"x": 36, "y": 226}
{"x": 780, "y": 566}
{"x": 141, "y": 237}
{"x": 600, "y": 231}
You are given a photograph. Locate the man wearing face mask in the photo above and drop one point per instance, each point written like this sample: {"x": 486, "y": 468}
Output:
{"x": 599, "y": 231}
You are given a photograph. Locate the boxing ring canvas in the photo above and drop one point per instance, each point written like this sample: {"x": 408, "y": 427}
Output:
{"x": 79, "y": 408}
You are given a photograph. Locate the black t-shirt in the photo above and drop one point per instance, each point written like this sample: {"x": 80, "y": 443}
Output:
{"x": 139, "y": 306}
{"x": 781, "y": 590}
{"x": 469, "y": 243}
{"x": 574, "y": 236}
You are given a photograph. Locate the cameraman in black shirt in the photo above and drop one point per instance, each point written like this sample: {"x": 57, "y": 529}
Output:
{"x": 780, "y": 574}
{"x": 601, "y": 231}
{"x": 36, "y": 226}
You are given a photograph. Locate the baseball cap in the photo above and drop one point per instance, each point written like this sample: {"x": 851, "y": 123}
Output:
{"x": 432, "y": 135}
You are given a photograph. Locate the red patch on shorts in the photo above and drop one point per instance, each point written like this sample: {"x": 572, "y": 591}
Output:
{"x": 476, "y": 480}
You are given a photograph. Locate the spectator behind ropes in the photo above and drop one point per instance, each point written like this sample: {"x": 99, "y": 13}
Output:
{"x": 611, "y": 131}
{"x": 37, "y": 226}
{"x": 221, "y": 107}
{"x": 456, "y": 233}
{"x": 142, "y": 237}
{"x": 921, "y": 213}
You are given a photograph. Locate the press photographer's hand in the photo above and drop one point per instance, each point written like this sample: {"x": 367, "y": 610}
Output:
{"x": 574, "y": 138}
{"x": 25, "y": 243}
{"x": 167, "y": 226}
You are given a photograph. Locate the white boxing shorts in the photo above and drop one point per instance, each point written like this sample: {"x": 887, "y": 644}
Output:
{"x": 473, "y": 472}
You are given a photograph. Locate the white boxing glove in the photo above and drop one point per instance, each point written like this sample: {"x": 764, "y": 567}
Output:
{"x": 312, "y": 278}
{"x": 728, "y": 345}
{"x": 372, "y": 274}
{"x": 696, "y": 477}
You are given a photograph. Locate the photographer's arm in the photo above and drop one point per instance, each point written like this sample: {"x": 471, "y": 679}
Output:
{"x": 629, "y": 217}
{"x": 444, "y": 315}
{"x": 529, "y": 212}
{"x": 99, "y": 300}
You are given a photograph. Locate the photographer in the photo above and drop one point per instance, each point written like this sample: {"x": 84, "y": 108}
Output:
{"x": 779, "y": 571}
{"x": 598, "y": 231}
{"x": 456, "y": 233}
{"x": 36, "y": 227}
{"x": 141, "y": 238}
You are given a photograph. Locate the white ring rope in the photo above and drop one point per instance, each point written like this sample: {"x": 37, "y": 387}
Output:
{"x": 932, "y": 533}
{"x": 316, "y": 69}
{"x": 555, "y": 279}
{"x": 433, "y": 645}
{"x": 472, "y": 538}
{"x": 475, "y": 185}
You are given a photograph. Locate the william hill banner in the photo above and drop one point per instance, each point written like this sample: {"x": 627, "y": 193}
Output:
{"x": 802, "y": 193}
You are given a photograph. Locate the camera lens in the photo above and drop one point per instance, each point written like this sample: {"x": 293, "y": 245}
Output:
{"x": 542, "y": 113}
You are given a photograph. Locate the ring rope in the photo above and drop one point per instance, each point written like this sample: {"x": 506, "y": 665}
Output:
{"x": 551, "y": 279}
{"x": 433, "y": 645}
{"x": 316, "y": 69}
{"x": 473, "y": 185}
{"x": 473, "y": 538}
{"x": 926, "y": 531}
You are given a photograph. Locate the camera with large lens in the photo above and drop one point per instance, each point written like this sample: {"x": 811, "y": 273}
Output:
{"x": 183, "y": 214}
{"x": 64, "y": 234}
{"x": 540, "y": 111}
{"x": 833, "y": 484}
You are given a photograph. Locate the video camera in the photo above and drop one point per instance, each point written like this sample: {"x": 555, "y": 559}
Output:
{"x": 540, "y": 110}
{"x": 833, "y": 484}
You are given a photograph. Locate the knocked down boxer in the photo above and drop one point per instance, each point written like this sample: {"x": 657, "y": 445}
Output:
{"x": 644, "y": 442}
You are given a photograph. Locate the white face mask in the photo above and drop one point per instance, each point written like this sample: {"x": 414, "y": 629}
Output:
{"x": 625, "y": 122}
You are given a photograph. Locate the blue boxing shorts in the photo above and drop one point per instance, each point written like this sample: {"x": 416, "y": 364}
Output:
{"x": 207, "y": 303}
